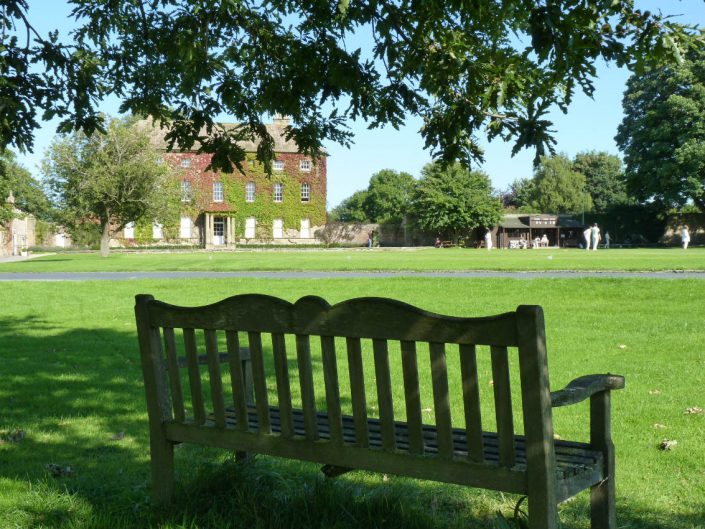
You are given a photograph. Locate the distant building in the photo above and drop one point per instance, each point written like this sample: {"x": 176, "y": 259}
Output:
{"x": 515, "y": 230}
{"x": 17, "y": 235}
{"x": 220, "y": 210}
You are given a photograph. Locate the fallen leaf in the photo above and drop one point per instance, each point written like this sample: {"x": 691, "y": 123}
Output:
{"x": 385, "y": 477}
{"x": 556, "y": 436}
{"x": 667, "y": 444}
{"x": 622, "y": 346}
{"x": 659, "y": 426}
{"x": 694, "y": 410}
{"x": 118, "y": 436}
{"x": 491, "y": 382}
{"x": 427, "y": 410}
{"x": 654, "y": 392}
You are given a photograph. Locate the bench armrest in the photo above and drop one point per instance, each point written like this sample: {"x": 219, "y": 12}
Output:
{"x": 585, "y": 387}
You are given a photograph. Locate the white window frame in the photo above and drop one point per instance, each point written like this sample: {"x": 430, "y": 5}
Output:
{"x": 128, "y": 231}
{"x": 157, "y": 231}
{"x": 250, "y": 226}
{"x": 186, "y": 190}
{"x": 278, "y": 192}
{"x": 278, "y": 165}
{"x": 185, "y": 163}
{"x": 185, "y": 229}
{"x": 305, "y": 192}
{"x": 305, "y": 165}
{"x": 250, "y": 190}
{"x": 218, "y": 192}
{"x": 305, "y": 231}
{"x": 278, "y": 229}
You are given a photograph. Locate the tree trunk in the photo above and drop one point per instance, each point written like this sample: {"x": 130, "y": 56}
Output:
{"x": 105, "y": 240}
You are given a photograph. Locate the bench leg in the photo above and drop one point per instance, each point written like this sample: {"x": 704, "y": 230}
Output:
{"x": 602, "y": 509}
{"x": 543, "y": 513}
{"x": 162, "y": 452}
{"x": 603, "y": 514}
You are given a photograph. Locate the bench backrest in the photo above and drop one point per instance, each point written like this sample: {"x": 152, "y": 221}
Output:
{"x": 383, "y": 321}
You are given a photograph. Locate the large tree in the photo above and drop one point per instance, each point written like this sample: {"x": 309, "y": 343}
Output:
{"x": 604, "y": 179}
{"x": 467, "y": 68}
{"x": 454, "y": 201}
{"x": 28, "y": 193}
{"x": 557, "y": 188}
{"x": 388, "y": 195}
{"x": 110, "y": 179}
{"x": 352, "y": 209}
{"x": 662, "y": 134}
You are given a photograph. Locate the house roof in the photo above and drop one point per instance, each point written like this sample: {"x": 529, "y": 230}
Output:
{"x": 521, "y": 220}
{"x": 276, "y": 129}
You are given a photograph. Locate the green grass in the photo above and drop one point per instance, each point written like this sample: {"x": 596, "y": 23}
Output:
{"x": 377, "y": 259}
{"x": 71, "y": 380}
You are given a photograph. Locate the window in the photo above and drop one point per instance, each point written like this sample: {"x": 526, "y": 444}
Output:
{"x": 305, "y": 192}
{"x": 160, "y": 161}
{"x": 129, "y": 231}
{"x": 278, "y": 165}
{"x": 185, "y": 191}
{"x": 250, "y": 228}
{"x": 278, "y": 192}
{"x": 217, "y": 191}
{"x": 250, "y": 192}
{"x": 305, "y": 231}
{"x": 186, "y": 162}
{"x": 305, "y": 165}
{"x": 157, "y": 231}
{"x": 278, "y": 229}
{"x": 185, "y": 232}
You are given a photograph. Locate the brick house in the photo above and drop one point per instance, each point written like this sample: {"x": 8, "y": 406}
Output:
{"x": 220, "y": 210}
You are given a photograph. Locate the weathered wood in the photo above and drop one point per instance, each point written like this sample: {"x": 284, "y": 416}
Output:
{"x": 503, "y": 405}
{"x": 330, "y": 377}
{"x": 216, "y": 382}
{"x": 194, "y": 376}
{"x": 384, "y": 393}
{"x": 412, "y": 396}
{"x": 584, "y": 387}
{"x": 177, "y": 396}
{"x": 158, "y": 405}
{"x": 441, "y": 399}
{"x": 538, "y": 418}
{"x": 471, "y": 402}
{"x": 308, "y": 397}
{"x": 603, "y": 513}
{"x": 281, "y": 371}
{"x": 237, "y": 378}
{"x": 259, "y": 381}
{"x": 357, "y": 391}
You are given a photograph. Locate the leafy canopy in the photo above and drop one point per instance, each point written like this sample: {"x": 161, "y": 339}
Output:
{"x": 351, "y": 209}
{"x": 108, "y": 179}
{"x": 604, "y": 179}
{"x": 28, "y": 193}
{"x": 662, "y": 134}
{"x": 454, "y": 200}
{"x": 466, "y": 67}
{"x": 558, "y": 188}
{"x": 388, "y": 195}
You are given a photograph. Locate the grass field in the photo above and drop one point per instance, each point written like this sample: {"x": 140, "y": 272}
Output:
{"x": 72, "y": 385}
{"x": 376, "y": 259}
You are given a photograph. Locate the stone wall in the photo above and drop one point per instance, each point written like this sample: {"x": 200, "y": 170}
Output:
{"x": 674, "y": 224}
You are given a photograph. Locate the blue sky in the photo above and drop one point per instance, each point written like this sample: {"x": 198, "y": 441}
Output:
{"x": 590, "y": 124}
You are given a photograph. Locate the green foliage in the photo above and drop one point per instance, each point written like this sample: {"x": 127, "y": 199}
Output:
{"x": 518, "y": 196}
{"x": 388, "y": 196}
{"x": 352, "y": 209}
{"x": 604, "y": 178}
{"x": 453, "y": 200}
{"x": 109, "y": 179}
{"x": 290, "y": 210}
{"x": 662, "y": 134}
{"x": 557, "y": 188}
{"x": 466, "y": 68}
{"x": 29, "y": 196}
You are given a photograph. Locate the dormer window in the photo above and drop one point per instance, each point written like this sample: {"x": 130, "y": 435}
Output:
{"x": 305, "y": 165}
{"x": 278, "y": 165}
{"x": 186, "y": 163}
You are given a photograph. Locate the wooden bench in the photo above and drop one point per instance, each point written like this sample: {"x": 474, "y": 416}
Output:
{"x": 374, "y": 337}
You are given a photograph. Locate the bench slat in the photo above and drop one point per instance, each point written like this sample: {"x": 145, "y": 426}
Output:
{"x": 503, "y": 405}
{"x": 330, "y": 376}
{"x": 471, "y": 402}
{"x": 441, "y": 399}
{"x": 412, "y": 396}
{"x": 384, "y": 393}
{"x": 237, "y": 378}
{"x": 214, "y": 377}
{"x": 259, "y": 380}
{"x": 281, "y": 371}
{"x": 194, "y": 376}
{"x": 177, "y": 395}
{"x": 308, "y": 397}
{"x": 357, "y": 391}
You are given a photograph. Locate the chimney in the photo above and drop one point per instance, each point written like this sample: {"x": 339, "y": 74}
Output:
{"x": 280, "y": 120}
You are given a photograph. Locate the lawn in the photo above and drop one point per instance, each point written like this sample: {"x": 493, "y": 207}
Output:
{"x": 374, "y": 260}
{"x": 72, "y": 397}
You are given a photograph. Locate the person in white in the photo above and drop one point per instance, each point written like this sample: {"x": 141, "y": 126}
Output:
{"x": 488, "y": 240}
{"x": 544, "y": 241}
{"x": 595, "y": 236}
{"x": 586, "y": 234}
{"x": 685, "y": 237}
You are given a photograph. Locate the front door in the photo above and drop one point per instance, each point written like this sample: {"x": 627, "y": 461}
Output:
{"x": 218, "y": 231}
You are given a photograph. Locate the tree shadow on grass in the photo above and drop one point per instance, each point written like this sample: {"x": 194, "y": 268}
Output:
{"x": 78, "y": 395}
